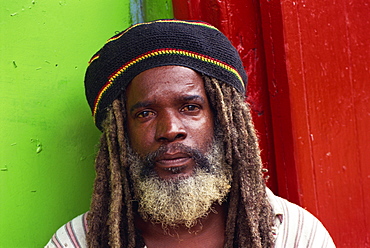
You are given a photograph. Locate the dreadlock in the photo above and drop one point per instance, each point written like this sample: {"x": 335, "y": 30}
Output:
{"x": 249, "y": 218}
{"x": 247, "y": 198}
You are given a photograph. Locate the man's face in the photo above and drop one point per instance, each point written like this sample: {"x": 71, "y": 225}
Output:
{"x": 167, "y": 106}
{"x": 176, "y": 163}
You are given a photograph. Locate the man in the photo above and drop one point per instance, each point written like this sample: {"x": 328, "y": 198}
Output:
{"x": 179, "y": 163}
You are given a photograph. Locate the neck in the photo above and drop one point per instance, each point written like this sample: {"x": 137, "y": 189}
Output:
{"x": 208, "y": 232}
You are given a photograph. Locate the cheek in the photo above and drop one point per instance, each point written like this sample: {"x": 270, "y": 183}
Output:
{"x": 140, "y": 143}
{"x": 138, "y": 138}
{"x": 203, "y": 133}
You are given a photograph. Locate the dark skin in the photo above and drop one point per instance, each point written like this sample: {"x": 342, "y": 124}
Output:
{"x": 168, "y": 105}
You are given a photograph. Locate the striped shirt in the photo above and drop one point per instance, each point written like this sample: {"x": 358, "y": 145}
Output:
{"x": 72, "y": 234}
{"x": 294, "y": 227}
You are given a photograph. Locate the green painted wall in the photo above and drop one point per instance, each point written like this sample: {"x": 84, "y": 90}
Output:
{"x": 48, "y": 140}
{"x": 157, "y": 9}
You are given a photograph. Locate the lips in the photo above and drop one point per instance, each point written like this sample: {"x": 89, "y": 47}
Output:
{"x": 173, "y": 161}
{"x": 169, "y": 160}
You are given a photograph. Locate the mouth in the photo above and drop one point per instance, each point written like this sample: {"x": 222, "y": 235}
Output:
{"x": 175, "y": 163}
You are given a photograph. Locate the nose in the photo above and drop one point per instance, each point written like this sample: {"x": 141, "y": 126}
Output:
{"x": 170, "y": 128}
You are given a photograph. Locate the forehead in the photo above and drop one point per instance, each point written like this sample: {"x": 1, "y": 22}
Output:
{"x": 165, "y": 82}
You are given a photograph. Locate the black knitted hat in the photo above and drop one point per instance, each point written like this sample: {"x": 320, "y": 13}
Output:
{"x": 193, "y": 44}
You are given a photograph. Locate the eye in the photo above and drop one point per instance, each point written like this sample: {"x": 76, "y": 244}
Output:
{"x": 144, "y": 114}
{"x": 190, "y": 108}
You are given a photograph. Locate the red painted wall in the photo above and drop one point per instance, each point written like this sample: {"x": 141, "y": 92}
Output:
{"x": 327, "y": 59}
{"x": 309, "y": 87}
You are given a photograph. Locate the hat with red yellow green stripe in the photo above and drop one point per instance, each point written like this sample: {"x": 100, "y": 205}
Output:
{"x": 193, "y": 44}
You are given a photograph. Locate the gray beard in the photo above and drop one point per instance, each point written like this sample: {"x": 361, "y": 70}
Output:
{"x": 184, "y": 200}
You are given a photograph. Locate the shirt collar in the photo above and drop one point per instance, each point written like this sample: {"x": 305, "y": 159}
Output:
{"x": 276, "y": 207}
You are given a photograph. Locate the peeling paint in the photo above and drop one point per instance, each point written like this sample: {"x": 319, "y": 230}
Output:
{"x": 38, "y": 145}
{"x": 39, "y": 149}
{"x": 24, "y": 8}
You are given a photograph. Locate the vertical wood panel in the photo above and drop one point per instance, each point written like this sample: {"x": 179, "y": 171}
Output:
{"x": 279, "y": 93}
{"x": 326, "y": 48}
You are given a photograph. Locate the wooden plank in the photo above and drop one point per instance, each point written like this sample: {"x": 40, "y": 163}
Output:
{"x": 279, "y": 93}
{"x": 326, "y": 47}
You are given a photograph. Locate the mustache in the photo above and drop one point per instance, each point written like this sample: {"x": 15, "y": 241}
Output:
{"x": 150, "y": 159}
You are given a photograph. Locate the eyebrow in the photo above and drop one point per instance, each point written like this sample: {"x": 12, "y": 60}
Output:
{"x": 144, "y": 104}
{"x": 192, "y": 98}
